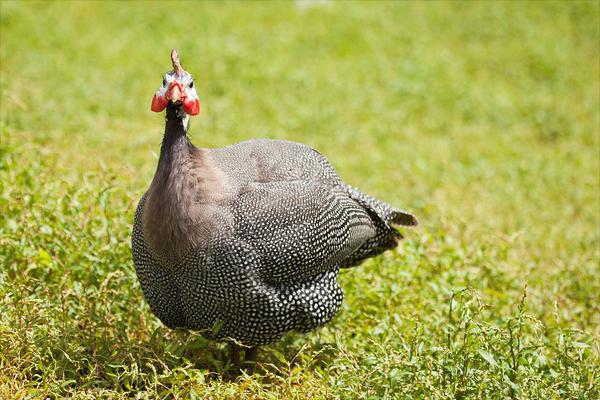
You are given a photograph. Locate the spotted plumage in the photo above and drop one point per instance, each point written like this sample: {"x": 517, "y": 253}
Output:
{"x": 246, "y": 241}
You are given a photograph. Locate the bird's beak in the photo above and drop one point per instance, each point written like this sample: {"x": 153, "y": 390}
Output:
{"x": 174, "y": 93}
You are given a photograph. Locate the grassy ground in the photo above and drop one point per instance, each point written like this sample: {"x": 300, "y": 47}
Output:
{"x": 481, "y": 118}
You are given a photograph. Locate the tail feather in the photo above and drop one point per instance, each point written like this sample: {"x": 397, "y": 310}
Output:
{"x": 403, "y": 218}
{"x": 385, "y": 218}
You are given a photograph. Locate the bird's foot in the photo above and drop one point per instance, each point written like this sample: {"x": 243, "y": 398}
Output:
{"x": 249, "y": 361}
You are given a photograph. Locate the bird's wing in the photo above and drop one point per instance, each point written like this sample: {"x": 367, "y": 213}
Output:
{"x": 299, "y": 228}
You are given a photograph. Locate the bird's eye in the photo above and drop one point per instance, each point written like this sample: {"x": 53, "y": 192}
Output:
{"x": 164, "y": 82}
{"x": 191, "y": 85}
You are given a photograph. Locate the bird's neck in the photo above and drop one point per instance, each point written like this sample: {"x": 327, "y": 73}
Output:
{"x": 167, "y": 223}
{"x": 178, "y": 213}
{"x": 175, "y": 145}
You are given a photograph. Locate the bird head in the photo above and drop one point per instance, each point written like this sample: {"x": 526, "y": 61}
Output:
{"x": 178, "y": 88}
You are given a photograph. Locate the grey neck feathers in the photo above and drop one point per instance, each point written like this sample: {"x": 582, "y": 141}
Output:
{"x": 175, "y": 145}
{"x": 168, "y": 215}
{"x": 179, "y": 213}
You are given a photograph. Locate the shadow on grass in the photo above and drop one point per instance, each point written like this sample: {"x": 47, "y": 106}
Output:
{"x": 96, "y": 337}
{"x": 123, "y": 362}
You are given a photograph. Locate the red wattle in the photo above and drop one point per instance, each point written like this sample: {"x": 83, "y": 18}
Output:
{"x": 159, "y": 103}
{"x": 191, "y": 106}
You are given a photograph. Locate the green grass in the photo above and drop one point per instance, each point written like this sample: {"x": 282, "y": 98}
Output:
{"x": 481, "y": 118}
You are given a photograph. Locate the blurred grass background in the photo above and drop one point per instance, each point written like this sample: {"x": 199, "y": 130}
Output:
{"x": 482, "y": 118}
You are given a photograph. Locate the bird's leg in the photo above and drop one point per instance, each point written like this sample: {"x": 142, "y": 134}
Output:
{"x": 235, "y": 355}
{"x": 250, "y": 355}
{"x": 250, "y": 358}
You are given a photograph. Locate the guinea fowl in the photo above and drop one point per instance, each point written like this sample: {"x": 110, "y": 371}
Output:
{"x": 246, "y": 241}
